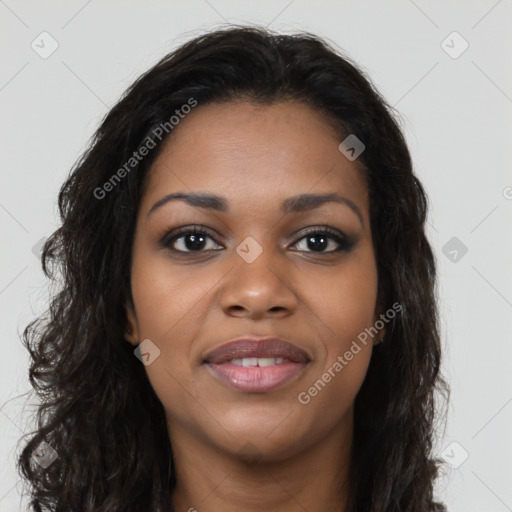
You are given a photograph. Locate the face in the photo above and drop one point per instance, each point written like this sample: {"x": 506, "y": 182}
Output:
{"x": 254, "y": 268}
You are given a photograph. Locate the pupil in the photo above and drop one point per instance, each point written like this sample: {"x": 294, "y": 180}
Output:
{"x": 197, "y": 242}
{"x": 321, "y": 245}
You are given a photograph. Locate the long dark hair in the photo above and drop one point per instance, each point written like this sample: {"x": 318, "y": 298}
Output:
{"x": 98, "y": 410}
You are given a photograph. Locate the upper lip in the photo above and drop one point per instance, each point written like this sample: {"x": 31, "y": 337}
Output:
{"x": 251, "y": 346}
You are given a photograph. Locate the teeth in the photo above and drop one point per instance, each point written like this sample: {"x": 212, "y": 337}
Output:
{"x": 266, "y": 361}
{"x": 257, "y": 361}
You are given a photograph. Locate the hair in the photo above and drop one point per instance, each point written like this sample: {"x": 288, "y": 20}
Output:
{"x": 97, "y": 408}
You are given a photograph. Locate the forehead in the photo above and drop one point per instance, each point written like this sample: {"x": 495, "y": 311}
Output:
{"x": 255, "y": 154}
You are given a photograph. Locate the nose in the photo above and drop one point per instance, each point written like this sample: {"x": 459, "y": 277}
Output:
{"x": 259, "y": 289}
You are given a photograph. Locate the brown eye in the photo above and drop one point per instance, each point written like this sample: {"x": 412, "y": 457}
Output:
{"x": 190, "y": 240}
{"x": 318, "y": 240}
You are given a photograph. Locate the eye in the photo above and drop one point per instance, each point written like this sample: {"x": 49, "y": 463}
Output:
{"x": 196, "y": 239}
{"x": 319, "y": 239}
{"x": 189, "y": 240}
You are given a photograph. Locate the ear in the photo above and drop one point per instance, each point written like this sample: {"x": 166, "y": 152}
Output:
{"x": 131, "y": 333}
{"x": 379, "y": 338}
{"x": 378, "y": 322}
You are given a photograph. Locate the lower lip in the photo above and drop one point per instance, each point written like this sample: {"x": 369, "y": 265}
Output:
{"x": 256, "y": 379}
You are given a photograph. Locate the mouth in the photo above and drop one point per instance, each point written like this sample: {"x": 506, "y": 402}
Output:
{"x": 256, "y": 365}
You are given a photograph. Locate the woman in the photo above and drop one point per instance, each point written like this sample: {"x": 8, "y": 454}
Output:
{"x": 247, "y": 318}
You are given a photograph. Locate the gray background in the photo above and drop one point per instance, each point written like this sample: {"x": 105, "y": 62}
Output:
{"x": 456, "y": 112}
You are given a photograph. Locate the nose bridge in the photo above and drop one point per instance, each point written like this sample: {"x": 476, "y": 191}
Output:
{"x": 257, "y": 283}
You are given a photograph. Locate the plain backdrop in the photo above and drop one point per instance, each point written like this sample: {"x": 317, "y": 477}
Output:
{"x": 454, "y": 94}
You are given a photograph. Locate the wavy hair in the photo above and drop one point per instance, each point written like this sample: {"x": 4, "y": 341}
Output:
{"x": 97, "y": 408}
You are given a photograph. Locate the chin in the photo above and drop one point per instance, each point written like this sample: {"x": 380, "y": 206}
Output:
{"x": 255, "y": 436}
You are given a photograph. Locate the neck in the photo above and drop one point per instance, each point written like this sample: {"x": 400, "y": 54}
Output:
{"x": 209, "y": 479}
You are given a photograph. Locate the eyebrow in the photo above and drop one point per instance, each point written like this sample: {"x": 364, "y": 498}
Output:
{"x": 294, "y": 204}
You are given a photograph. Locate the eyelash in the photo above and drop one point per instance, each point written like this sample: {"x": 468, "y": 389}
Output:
{"x": 170, "y": 238}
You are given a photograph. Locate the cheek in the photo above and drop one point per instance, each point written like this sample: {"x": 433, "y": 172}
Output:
{"x": 171, "y": 306}
{"x": 167, "y": 298}
{"x": 335, "y": 379}
{"x": 344, "y": 300}
{"x": 345, "y": 304}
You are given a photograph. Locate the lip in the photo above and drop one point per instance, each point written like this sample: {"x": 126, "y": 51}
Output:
{"x": 256, "y": 378}
{"x": 256, "y": 347}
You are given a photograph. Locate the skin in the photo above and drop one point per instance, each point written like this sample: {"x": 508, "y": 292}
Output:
{"x": 235, "y": 450}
